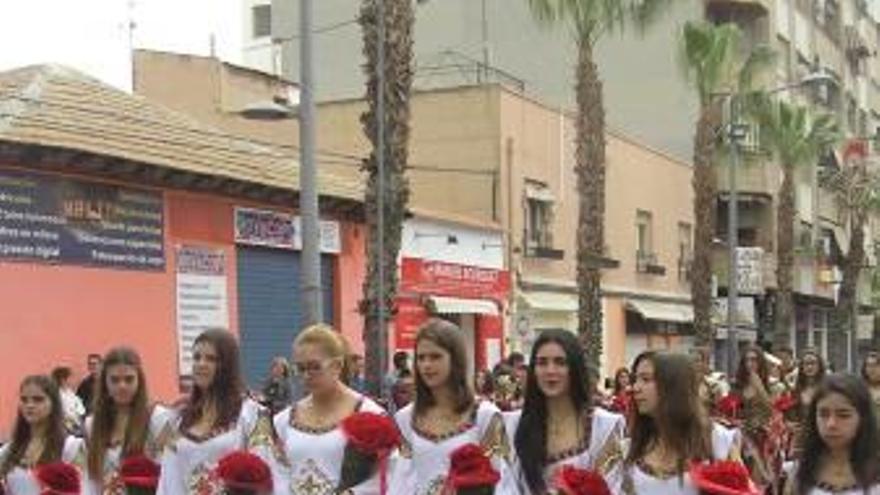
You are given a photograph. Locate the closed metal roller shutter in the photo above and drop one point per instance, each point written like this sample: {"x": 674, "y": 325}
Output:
{"x": 269, "y": 306}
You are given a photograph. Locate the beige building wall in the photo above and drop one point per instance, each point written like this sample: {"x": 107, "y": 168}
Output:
{"x": 214, "y": 92}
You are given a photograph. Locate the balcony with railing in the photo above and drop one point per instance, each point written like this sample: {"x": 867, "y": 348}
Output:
{"x": 752, "y": 8}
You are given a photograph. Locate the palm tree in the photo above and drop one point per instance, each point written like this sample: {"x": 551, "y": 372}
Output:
{"x": 397, "y": 69}
{"x": 796, "y": 139}
{"x": 589, "y": 20}
{"x": 858, "y": 191}
{"x": 710, "y": 57}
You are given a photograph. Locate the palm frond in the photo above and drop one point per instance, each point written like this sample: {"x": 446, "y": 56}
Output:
{"x": 759, "y": 59}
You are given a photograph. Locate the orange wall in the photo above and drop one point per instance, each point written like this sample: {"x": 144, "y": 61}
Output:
{"x": 57, "y": 314}
{"x": 351, "y": 270}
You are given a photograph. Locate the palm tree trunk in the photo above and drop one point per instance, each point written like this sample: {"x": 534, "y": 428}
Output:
{"x": 842, "y": 318}
{"x": 704, "y": 184}
{"x": 785, "y": 259}
{"x": 399, "y": 21}
{"x": 590, "y": 170}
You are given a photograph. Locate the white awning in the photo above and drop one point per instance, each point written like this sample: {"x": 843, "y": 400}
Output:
{"x": 550, "y": 301}
{"x": 454, "y": 306}
{"x": 662, "y": 311}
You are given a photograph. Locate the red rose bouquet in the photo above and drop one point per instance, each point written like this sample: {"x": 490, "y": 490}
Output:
{"x": 785, "y": 403}
{"x": 573, "y": 481}
{"x": 139, "y": 474}
{"x": 471, "y": 472}
{"x": 729, "y": 406}
{"x": 58, "y": 478}
{"x": 243, "y": 473}
{"x": 371, "y": 439}
{"x": 722, "y": 478}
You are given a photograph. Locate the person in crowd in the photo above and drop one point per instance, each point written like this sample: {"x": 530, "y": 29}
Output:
{"x": 483, "y": 384}
{"x": 621, "y": 390}
{"x": 841, "y": 454}
{"x": 671, "y": 429}
{"x": 216, "y": 420}
{"x": 506, "y": 389}
{"x": 517, "y": 362}
{"x": 810, "y": 373}
{"x": 711, "y": 388}
{"x": 787, "y": 367}
{"x": 74, "y": 410}
{"x": 559, "y": 424}
{"x": 404, "y": 391}
{"x": 356, "y": 379}
{"x": 38, "y": 437}
{"x": 86, "y": 387}
{"x": 124, "y": 422}
{"x": 400, "y": 360}
{"x": 871, "y": 375}
{"x": 313, "y": 444}
{"x": 276, "y": 391}
{"x": 755, "y": 415}
{"x": 445, "y": 416}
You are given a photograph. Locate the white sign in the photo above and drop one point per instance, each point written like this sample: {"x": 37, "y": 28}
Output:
{"x": 750, "y": 270}
{"x": 202, "y": 301}
{"x": 745, "y": 311}
{"x": 865, "y": 329}
{"x": 281, "y": 230}
{"x": 493, "y": 353}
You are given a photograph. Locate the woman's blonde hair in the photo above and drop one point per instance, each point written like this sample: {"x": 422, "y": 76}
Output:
{"x": 331, "y": 342}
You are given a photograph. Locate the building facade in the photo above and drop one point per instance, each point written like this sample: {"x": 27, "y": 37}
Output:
{"x": 129, "y": 224}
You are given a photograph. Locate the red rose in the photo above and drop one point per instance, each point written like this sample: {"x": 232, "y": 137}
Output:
{"x": 139, "y": 471}
{"x": 371, "y": 433}
{"x": 785, "y": 403}
{"x": 573, "y": 481}
{"x": 729, "y": 406}
{"x": 58, "y": 478}
{"x": 241, "y": 470}
{"x": 723, "y": 478}
{"x": 470, "y": 467}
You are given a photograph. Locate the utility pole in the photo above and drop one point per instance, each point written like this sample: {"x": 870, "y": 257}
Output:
{"x": 308, "y": 195}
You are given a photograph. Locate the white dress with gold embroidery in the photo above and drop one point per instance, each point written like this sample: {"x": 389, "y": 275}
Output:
{"x": 790, "y": 469}
{"x": 188, "y": 463}
{"x": 602, "y": 453}
{"x": 21, "y": 480}
{"x": 638, "y": 480}
{"x": 423, "y": 464}
{"x": 159, "y": 428}
{"x": 312, "y": 458}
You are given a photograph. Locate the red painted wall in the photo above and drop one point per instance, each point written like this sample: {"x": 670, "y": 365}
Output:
{"x": 54, "y": 315}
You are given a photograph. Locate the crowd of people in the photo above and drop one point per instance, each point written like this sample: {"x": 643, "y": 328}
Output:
{"x": 667, "y": 425}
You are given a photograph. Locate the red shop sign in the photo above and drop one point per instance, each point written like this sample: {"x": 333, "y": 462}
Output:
{"x": 450, "y": 279}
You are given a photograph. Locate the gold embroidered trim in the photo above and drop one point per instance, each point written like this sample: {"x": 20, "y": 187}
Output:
{"x": 494, "y": 440}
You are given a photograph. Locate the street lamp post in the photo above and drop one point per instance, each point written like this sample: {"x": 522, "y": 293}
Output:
{"x": 310, "y": 281}
{"x": 735, "y": 132}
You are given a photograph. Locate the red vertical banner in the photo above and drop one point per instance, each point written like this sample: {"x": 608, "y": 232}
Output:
{"x": 411, "y": 314}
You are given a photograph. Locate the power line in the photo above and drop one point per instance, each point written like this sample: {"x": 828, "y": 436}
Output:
{"x": 323, "y": 29}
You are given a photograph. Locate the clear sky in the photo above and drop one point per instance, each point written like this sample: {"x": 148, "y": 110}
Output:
{"x": 93, "y": 35}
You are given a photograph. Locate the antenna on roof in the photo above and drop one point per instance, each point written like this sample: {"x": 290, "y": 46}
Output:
{"x": 212, "y": 45}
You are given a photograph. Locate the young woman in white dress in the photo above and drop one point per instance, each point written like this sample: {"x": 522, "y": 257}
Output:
{"x": 123, "y": 424}
{"x": 558, "y": 424}
{"x": 216, "y": 420}
{"x": 841, "y": 453}
{"x": 671, "y": 429}
{"x": 445, "y": 416}
{"x": 313, "y": 444}
{"x": 38, "y": 438}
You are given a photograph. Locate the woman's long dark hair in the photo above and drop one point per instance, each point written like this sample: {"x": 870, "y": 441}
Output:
{"x": 864, "y": 453}
{"x": 679, "y": 416}
{"x": 618, "y": 388}
{"x": 104, "y": 416}
{"x": 802, "y": 381}
{"x": 531, "y": 434}
{"x": 227, "y": 389}
{"x": 743, "y": 378}
{"x": 21, "y": 432}
{"x": 448, "y": 337}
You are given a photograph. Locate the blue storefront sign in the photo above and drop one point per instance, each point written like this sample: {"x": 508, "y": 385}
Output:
{"x": 61, "y": 220}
